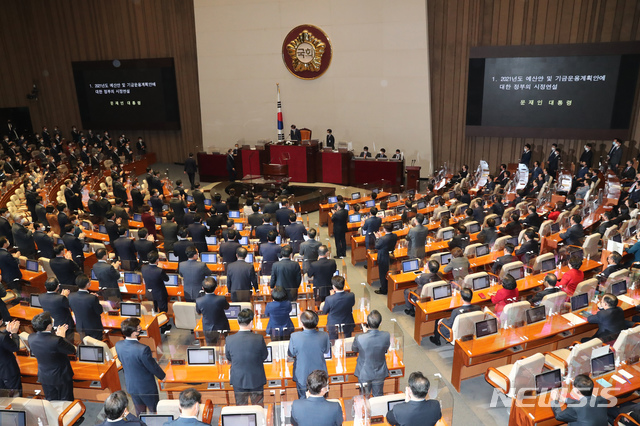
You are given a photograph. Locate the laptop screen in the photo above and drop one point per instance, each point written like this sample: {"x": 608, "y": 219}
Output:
{"x": 486, "y": 327}
{"x": 211, "y": 240}
{"x": 278, "y": 239}
{"x": 617, "y": 238}
{"x": 233, "y": 311}
{"x": 498, "y": 221}
{"x": 239, "y": 420}
{"x": 332, "y": 200}
{"x": 207, "y": 201}
{"x": 189, "y": 198}
{"x": 102, "y": 229}
{"x": 535, "y": 314}
{"x": 249, "y": 258}
{"x": 13, "y": 418}
{"x": 132, "y": 278}
{"x": 512, "y": 240}
{"x": 548, "y": 265}
{"x": 619, "y": 288}
{"x": 370, "y": 203}
{"x": 234, "y": 214}
{"x": 445, "y": 258}
{"x": 173, "y": 280}
{"x": 482, "y": 250}
{"x": 447, "y": 235}
{"x": 421, "y": 205}
{"x": 517, "y": 273}
{"x": 239, "y": 227}
{"x": 87, "y": 225}
{"x": 32, "y": 265}
{"x": 201, "y": 356}
{"x": 391, "y": 404}
{"x": 158, "y": 220}
{"x": 130, "y": 309}
{"x": 555, "y": 228}
{"x": 137, "y": 217}
{"x": 34, "y": 301}
{"x": 397, "y": 225}
{"x": 171, "y": 257}
{"x": 355, "y": 196}
{"x": 602, "y": 364}
{"x": 473, "y": 228}
{"x": 410, "y": 265}
{"x": 244, "y": 241}
{"x": 156, "y": 419}
{"x": 400, "y": 209}
{"x": 548, "y": 380}
{"x": 375, "y": 191}
{"x": 354, "y": 218}
{"x": 480, "y": 283}
{"x": 269, "y": 357}
{"x": 579, "y": 301}
{"x": 90, "y": 353}
{"x": 294, "y": 310}
{"x": 442, "y": 291}
{"x": 209, "y": 257}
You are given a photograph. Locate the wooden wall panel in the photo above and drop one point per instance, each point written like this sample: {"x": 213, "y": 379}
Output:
{"x": 40, "y": 38}
{"x": 457, "y": 25}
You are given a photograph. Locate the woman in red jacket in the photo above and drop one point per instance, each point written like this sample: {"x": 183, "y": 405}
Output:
{"x": 573, "y": 277}
{"x": 507, "y": 294}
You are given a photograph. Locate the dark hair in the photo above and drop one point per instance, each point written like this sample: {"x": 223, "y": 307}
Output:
{"x": 191, "y": 251}
{"x": 129, "y": 326}
{"x": 82, "y": 281}
{"x": 577, "y": 219}
{"x": 584, "y": 384}
{"x": 610, "y": 299}
{"x": 509, "y": 283}
{"x": 419, "y": 385}
{"x": 434, "y": 266}
{"x": 286, "y": 251}
{"x": 309, "y": 319}
{"x": 153, "y": 256}
{"x": 51, "y": 284}
{"x": 491, "y": 222}
{"x": 462, "y": 229}
{"x": 388, "y": 227}
{"x": 509, "y": 248}
{"x": 271, "y": 236}
{"x": 551, "y": 279}
{"x": 466, "y": 294}
{"x": 209, "y": 284}
{"x": 374, "y": 319}
{"x": 323, "y": 250}
{"x": 68, "y": 227}
{"x": 616, "y": 257}
{"x": 245, "y": 317}
{"x": 58, "y": 248}
{"x": 373, "y": 211}
{"x": 312, "y": 233}
{"x": 189, "y": 397}
{"x": 115, "y": 404}
{"x": 337, "y": 282}
{"x": 41, "y": 321}
{"x": 3, "y": 241}
{"x": 231, "y": 234}
{"x": 142, "y": 233}
{"x": 101, "y": 253}
{"x": 316, "y": 381}
{"x": 279, "y": 294}
{"x": 241, "y": 252}
{"x": 575, "y": 261}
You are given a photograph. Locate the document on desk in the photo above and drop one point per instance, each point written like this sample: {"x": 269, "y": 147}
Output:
{"x": 626, "y": 374}
{"x": 604, "y": 383}
{"x": 626, "y": 299}
{"x": 619, "y": 379}
{"x": 574, "y": 319}
{"x": 122, "y": 287}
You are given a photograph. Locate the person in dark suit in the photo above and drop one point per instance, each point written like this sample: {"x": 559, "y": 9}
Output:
{"x": 308, "y": 347}
{"x": 137, "y": 196}
{"x": 271, "y": 206}
{"x": 613, "y": 265}
{"x": 550, "y": 281}
{"x": 66, "y": 270}
{"x": 575, "y": 234}
{"x": 43, "y": 240}
{"x": 57, "y": 304}
{"x": 295, "y": 135}
{"x": 369, "y": 228}
{"x": 190, "y": 400}
{"x": 309, "y": 250}
{"x": 416, "y": 409}
{"x": 115, "y": 409}
{"x": 365, "y": 152}
{"x": 583, "y": 408}
{"x": 280, "y": 325}
{"x": 87, "y": 309}
{"x": 51, "y": 350}
{"x": 229, "y": 248}
{"x": 144, "y": 245}
{"x": 156, "y": 202}
{"x": 526, "y": 155}
{"x": 427, "y": 277}
{"x": 315, "y": 410}
{"x": 193, "y": 273}
{"x": 507, "y": 257}
{"x": 532, "y": 220}
{"x": 629, "y": 171}
{"x": 23, "y": 236}
{"x": 4, "y": 312}
{"x": 615, "y": 155}
{"x": 154, "y": 279}
{"x": 241, "y": 277}
{"x": 139, "y": 367}
{"x": 489, "y": 233}
{"x": 255, "y": 219}
{"x": 331, "y": 140}
{"x": 282, "y": 216}
{"x": 386, "y": 243}
{"x": 371, "y": 368}
{"x": 587, "y": 156}
{"x": 231, "y": 165}
{"x": 113, "y": 226}
{"x": 322, "y": 271}
{"x": 461, "y": 239}
{"x": 552, "y": 161}
{"x": 190, "y": 169}
{"x": 466, "y": 294}
{"x": 247, "y": 351}
{"x": 9, "y": 265}
{"x": 198, "y": 199}
{"x": 10, "y": 379}
{"x": 5, "y": 226}
{"x": 416, "y": 237}
{"x": 107, "y": 274}
{"x": 125, "y": 250}
{"x": 180, "y": 247}
{"x": 340, "y": 219}
{"x": 212, "y": 307}
{"x": 338, "y": 308}
{"x": 286, "y": 273}
{"x": 198, "y": 233}
{"x": 169, "y": 231}
{"x": 382, "y": 153}
{"x": 295, "y": 231}
{"x": 75, "y": 244}
{"x": 177, "y": 206}
{"x": 270, "y": 251}
{"x": 610, "y": 319}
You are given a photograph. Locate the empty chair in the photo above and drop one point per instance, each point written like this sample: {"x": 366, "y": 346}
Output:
{"x": 609, "y": 233}
{"x": 109, "y": 353}
{"x": 62, "y": 413}
{"x": 627, "y": 346}
{"x": 47, "y": 267}
{"x": 554, "y": 303}
{"x": 379, "y": 404}
{"x": 509, "y": 267}
{"x": 587, "y": 286}
{"x": 507, "y": 214}
{"x": 172, "y": 406}
{"x": 463, "y": 325}
{"x": 537, "y": 263}
{"x": 509, "y": 379}
{"x": 500, "y": 243}
{"x": 185, "y": 316}
{"x": 545, "y": 228}
{"x": 245, "y": 409}
{"x": 470, "y": 250}
{"x": 513, "y": 314}
{"x": 590, "y": 245}
{"x": 573, "y": 361}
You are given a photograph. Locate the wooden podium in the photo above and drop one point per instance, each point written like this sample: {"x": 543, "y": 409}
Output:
{"x": 413, "y": 176}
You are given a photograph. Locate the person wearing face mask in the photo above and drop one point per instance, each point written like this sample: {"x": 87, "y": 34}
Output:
{"x": 615, "y": 155}
{"x": 587, "y": 155}
{"x": 552, "y": 162}
{"x": 526, "y": 155}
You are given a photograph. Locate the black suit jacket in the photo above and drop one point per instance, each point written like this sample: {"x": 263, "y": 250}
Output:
{"x": 321, "y": 271}
{"x": 51, "y": 352}
{"x": 5, "y": 229}
{"x": 8, "y": 365}
{"x": 44, "y": 243}
{"x": 270, "y": 252}
{"x": 537, "y": 298}
{"x": 286, "y": 273}
{"x": 66, "y": 270}
{"x": 573, "y": 235}
{"x": 170, "y": 233}
{"x": 241, "y": 276}
{"x": 87, "y": 310}
{"x": 143, "y": 248}
{"x": 331, "y": 142}
{"x": 425, "y": 412}
{"x": 212, "y": 308}
{"x": 610, "y": 323}
{"x": 198, "y": 233}
{"x": 9, "y": 267}
{"x": 583, "y": 413}
{"x": 270, "y": 207}
{"x": 58, "y": 306}
{"x": 340, "y": 219}
{"x": 228, "y": 251}
{"x": 246, "y": 351}
{"x": 180, "y": 249}
{"x": 295, "y": 135}
{"x": 338, "y": 308}
{"x": 139, "y": 367}
{"x": 107, "y": 275}
{"x": 525, "y": 158}
{"x": 23, "y": 239}
{"x": 384, "y": 245}
{"x": 190, "y": 165}
{"x": 262, "y": 232}
{"x": 282, "y": 216}
{"x": 315, "y": 411}
{"x": 154, "y": 279}
{"x": 124, "y": 248}
{"x": 587, "y": 157}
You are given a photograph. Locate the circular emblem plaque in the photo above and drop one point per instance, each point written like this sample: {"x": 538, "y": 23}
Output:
{"x": 306, "y": 52}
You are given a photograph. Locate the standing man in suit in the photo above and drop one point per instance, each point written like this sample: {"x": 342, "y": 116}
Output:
{"x": 193, "y": 273}
{"x": 283, "y": 216}
{"x": 180, "y": 246}
{"x": 286, "y": 273}
{"x": 371, "y": 368}
{"x": 212, "y": 307}
{"x": 339, "y": 309}
{"x": 610, "y": 319}
{"x": 526, "y": 155}
{"x": 139, "y": 367}
{"x": 144, "y": 245}
{"x": 177, "y": 205}
{"x": 466, "y": 295}
{"x": 154, "y": 279}
{"x": 294, "y": 135}
{"x": 615, "y": 155}
{"x": 255, "y": 219}
{"x": 295, "y": 231}
{"x": 231, "y": 165}
{"x": 587, "y": 156}
{"x": 369, "y": 228}
{"x": 107, "y": 274}
{"x": 315, "y": 410}
{"x": 340, "y": 218}
{"x": 190, "y": 400}
{"x": 583, "y": 408}
{"x": 241, "y": 276}
{"x": 115, "y": 409}
{"x": 137, "y": 196}
{"x": 322, "y": 271}
{"x": 5, "y": 226}
{"x": 247, "y": 351}
{"x": 416, "y": 409}
{"x": 190, "y": 169}
{"x": 417, "y": 237}
{"x": 552, "y": 161}
{"x": 43, "y": 240}
{"x": 308, "y": 347}
{"x": 125, "y": 250}
{"x": 270, "y": 251}
{"x": 10, "y": 379}
{"x": 23, "y": 236}
{"x": 9, "y": 265}
{"x": 87, "y": 309}
{"x": 575, "y": 233}
{"x": 74, "y": 244}
{"x": 198, "y": 233}
{"x": 229, "y": 248}
{"x": 386, "y": 243}
{"x": 331, "y": 141}
{"x": 52, "y": 352}
{"x": 309, "y": 250}
{"x": 58, "y": 305}
{"x": 169, "y": 231}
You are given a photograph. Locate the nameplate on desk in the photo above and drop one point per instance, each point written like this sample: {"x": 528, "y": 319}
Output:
{"x": 336, "y": 379}
{"x": 573, "y": 318}
{"x": 351, "y": 354}
{"x": 626, "y": 299}
{"x": 395, "y": 373}
{"x": 177, "y": 362}
{"x": 274, "y": 383}
{"x": 113, "y": 313}
{"x": 214, "y": 386}
{"x": 377, "y": 420}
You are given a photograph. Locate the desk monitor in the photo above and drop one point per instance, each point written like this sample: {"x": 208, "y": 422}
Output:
{"x": 294, "y": 309}
{"x": 239, "y": 420}
{"x": 278, "y": 239}
{"x": 354, "y": 218}
{"x": 332, "y": 200}
{"x": 137, "y": 217}
{"x": 239, "y": 227}
{"x": 391, "y": 404}
{"x": 87, "y": 225}
{"x": 410, "y": 265}
{"x": 132, "y": 278}
{"x": 517, "y": 273}
{"x": 400, "y": 209}
{"x": 473, "y": 228}
{"x": 445, "y": 258}
{"x": 619, "y": 288}
{"x": 376, "y": 190}
{"x": 555, "y": 228}
{"x": 482, "y": 250}
{"x": 233, "y": 311}
{"x": 355, "y": 196}
{"x": 632, "y": 231}
{"x": 156, "y": 419}
{"x": 397, "y": 225}
{"x": 269, "y": 357}
{"x": 617, "y": 238}
{"x": 189, "y": 198}
{"x": 421, "y": 205}
{"x": 480, "y": 283}
{"x": 211, "y": 240}
{"x": 486, "y": 328}
{"x": 209, "y": 257}
{"x": 165, "y": 207}
{"x": 61, "y": 241}
{"x": 208, "y": 202}
{"x": 327, "y": 355}
{"x": 602, "y": 364}
{"x": 201, "y": 356}
{"x": 547, "y": 265}
{"x": 129, "y": 309}
{"x": 249, "y": 258}
{"x": 158, "y": 220}
{"x": 32, "y": 265}
{"x": 86, "y": 248}
{"x": 512, "y": 240}
{"x": 171, "y": 257}
{"x": 452, "y": 195}
{"x": 88, "y": 353}
{"x": 578, "y": 252}
{"x": 393, "y": 198}
{"x": 535, "y": 314}
{"x": 13, "y": 418}
{"x": 93, "y": 275}
{"x": 370, "y": 203}
{"x": 442, "y": 291}
{"x": 498, "y": 221}
{"x": 579, "y": 301}
{"x": 234, "y": 214}
{"x": 102, "y": 229}
{"x": 411, "y": 192}
{"x": 548, "y": 381}
{"x": 244, "y": 241}
{"x": 173, "y": 280}
{"x": 447, "y": 235}
{"x": 34, "y": 301}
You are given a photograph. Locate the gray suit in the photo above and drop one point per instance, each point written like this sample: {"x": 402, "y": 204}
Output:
{"x": 459, "y": 266}
{"x": 316, "y": 411}
{"x": 371, "y": 368}
{"x": 309, "y": 252}
{"x": 193, "y": 272}
{"x": 308, "y": 348}
{"x": 286, "y": 273}
{"x": 241, "y": 276}
{"x": 417, "y": 237}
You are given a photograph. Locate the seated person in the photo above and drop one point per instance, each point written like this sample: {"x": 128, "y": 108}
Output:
{"x": 550, "y": 281}
{"x": 459, "y": 264}
{"x": 572, "y": 277}
{"x": 553, "y": 214}
{"x": 610, "y": 319}
{"x": 508, "y": 257}
{"x": 507, "y": 294}
{"x": 466, "y": 294}
{"x": 315, "y": 410}
{"x": 460, "y": 239}
{"x": 613, "y": 265}
{"x": 489, "y": 233}
{"x": 606, "y": 222}
{"x": 513, "y": 227}
{"x": 530, "y": 248}
{"x": 532, "y": 220}
{"x": 575, "y": 234}
{"x": 115, "y": 409}
{"x": 190, "y": 400}
{"x": 416, "y": 410}
{"x": 427, "y": 277}
{"x": 582, "y": 408}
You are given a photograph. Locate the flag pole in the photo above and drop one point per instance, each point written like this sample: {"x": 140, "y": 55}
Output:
{"x": 279, "y": 117}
